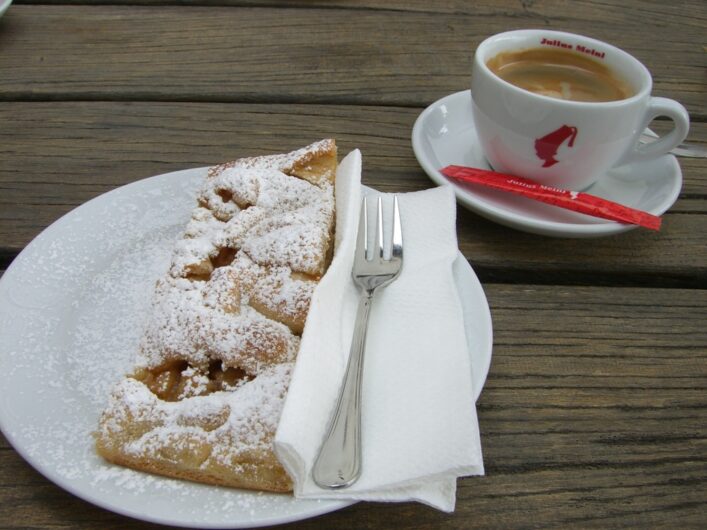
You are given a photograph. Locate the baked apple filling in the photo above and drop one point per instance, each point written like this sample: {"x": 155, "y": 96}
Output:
{"x": 176, "y": 380}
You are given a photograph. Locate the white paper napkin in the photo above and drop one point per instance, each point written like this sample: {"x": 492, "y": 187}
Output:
{"x": 419, "y": 425}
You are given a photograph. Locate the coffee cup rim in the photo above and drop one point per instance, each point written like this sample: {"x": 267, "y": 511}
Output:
{"x": 645, "y": 81}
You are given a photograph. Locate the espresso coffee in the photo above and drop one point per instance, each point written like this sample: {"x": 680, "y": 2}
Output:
{"x": 559, "y": 74}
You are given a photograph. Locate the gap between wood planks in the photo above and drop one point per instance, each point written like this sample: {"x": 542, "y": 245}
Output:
{"x": 510, "y": 276}
{"x": 148, "y": 97}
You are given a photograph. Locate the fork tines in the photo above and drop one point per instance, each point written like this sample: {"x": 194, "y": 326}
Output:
{"x": 395, "y": 248}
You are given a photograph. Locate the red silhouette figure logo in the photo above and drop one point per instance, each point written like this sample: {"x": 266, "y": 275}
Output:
{"x": 547, "y": 146}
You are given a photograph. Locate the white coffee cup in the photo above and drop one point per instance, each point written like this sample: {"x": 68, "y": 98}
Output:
{"x": 563, "y": 143}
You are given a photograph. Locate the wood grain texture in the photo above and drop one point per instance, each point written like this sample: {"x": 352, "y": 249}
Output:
{"x": 629, "y": 13}
{"x": 592, "y": 416}
{"x": 327, "y": 55}
{"x": 57, "y": 155}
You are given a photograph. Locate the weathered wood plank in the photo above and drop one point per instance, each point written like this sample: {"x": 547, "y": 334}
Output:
{"x": 335, "y": 55}
{"x": 627, "y": 11}
{"x": 592, "y": 416}
{"x": 57, "y": 155}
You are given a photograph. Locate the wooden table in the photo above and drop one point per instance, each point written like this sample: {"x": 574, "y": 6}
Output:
{"x": 594, "y": 412}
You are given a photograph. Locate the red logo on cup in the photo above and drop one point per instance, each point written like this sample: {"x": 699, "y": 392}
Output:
{"x": 547, "y": 146}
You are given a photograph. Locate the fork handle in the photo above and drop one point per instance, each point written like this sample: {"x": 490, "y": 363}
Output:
{"x": 338, "y": 464}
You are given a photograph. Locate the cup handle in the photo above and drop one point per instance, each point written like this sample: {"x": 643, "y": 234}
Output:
{"x": 681, "y": 125}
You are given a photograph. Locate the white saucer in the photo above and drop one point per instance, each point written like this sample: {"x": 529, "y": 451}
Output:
{"x": 444, "y": 134}
{"x": 4, "y": 4}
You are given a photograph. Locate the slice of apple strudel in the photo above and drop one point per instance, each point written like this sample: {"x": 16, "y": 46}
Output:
{"x": 215, "y": 358}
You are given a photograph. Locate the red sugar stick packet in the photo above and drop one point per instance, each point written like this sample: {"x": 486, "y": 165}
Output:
{"x": 570, "y": 200}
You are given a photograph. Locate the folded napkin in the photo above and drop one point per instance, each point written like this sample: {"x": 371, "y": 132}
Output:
{"x": 419, "y": 427}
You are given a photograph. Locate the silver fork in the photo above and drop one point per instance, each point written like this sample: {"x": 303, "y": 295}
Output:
{"x": 338, "y": 464}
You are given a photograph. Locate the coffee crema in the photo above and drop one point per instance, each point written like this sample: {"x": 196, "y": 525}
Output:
{"x": 559, "y": 74}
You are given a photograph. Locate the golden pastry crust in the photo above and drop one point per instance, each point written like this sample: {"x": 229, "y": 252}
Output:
{"x": 215, "y": 359}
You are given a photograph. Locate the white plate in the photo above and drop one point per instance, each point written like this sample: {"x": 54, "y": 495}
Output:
{"x": 71, "y": 308}
{"x": 444, "y": 134}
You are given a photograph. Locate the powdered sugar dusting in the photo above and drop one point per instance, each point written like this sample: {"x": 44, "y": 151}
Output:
{"x": 276, "y": 219}
{"x": 235, "y": 298}
{"x": 72, "y": 299}
{"x": 124, "y": 287}
{"x": 193, "y": 321}
{"x": 72, "y": 310}
{"x": 247, "y": 417}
